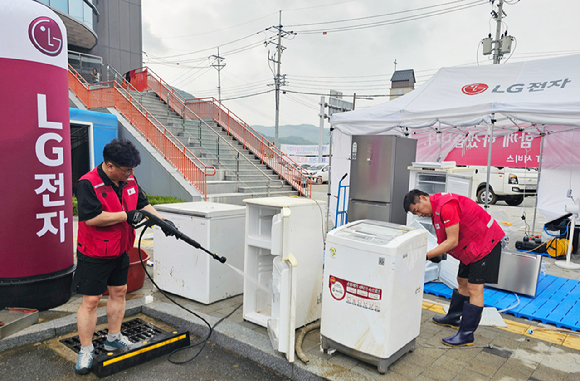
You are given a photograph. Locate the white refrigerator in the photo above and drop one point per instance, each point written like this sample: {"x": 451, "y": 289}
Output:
{"x": 189, "y": 272}
{"x": 373, "y": 290}
{"x": 283, "y": 266}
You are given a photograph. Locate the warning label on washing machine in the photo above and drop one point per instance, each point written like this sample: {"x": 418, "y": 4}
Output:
{"x": 355, "y": 293}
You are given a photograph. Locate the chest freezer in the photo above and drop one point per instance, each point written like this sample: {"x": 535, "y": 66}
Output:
{"x": 283, "y": 265}
{"x": 373, "y": 290}
{"x": 189, "y": 272}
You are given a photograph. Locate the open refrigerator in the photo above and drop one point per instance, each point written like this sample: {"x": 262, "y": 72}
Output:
{"x": 283, "y": 266}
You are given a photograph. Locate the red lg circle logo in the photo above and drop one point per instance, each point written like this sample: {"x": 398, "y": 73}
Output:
{"x": 45, "y": 35}
{"x": 474, "y": 88}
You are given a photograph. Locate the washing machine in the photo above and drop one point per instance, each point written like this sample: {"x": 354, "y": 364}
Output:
{"x": 373, "y": 290}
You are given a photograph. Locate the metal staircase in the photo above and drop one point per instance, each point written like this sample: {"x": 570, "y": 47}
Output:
{"x": 239, "y": 173}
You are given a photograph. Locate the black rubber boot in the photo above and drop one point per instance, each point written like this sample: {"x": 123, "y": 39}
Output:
{"x": 469, "y": 323}
{"x": 453, "y": 317}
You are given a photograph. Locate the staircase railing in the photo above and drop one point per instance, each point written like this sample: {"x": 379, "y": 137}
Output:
{"x": 111, "y": 94}
{"x": 210, "y": 108}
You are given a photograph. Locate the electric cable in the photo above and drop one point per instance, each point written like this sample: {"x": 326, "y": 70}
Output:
{"x": 375, "y": 16}
{"x": 394, "y": 21}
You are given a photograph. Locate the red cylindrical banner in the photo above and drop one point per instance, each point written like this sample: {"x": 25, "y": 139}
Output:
{"x": 35, "y": 171}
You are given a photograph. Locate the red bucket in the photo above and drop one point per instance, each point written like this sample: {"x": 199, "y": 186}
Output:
{"x": 136, "y": 275}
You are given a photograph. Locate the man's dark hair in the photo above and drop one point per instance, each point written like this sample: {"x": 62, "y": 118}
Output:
{"x": 121, "y": 152}
{"x": 412, "y": 198}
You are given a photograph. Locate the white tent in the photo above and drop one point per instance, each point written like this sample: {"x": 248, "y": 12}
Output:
{"x": 541, "y": 96}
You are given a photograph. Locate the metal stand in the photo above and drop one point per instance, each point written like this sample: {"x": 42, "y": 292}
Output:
{"x": 574, "y": 209}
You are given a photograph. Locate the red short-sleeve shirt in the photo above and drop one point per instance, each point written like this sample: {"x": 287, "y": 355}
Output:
{"x": 450, "y": 213}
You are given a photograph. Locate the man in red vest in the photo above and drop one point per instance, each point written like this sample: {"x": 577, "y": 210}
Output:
{"x": 109, "y": 200}
{"x": 468, "y": 233}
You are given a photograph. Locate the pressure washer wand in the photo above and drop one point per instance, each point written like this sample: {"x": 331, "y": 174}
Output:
{"x": 151, "y": 219}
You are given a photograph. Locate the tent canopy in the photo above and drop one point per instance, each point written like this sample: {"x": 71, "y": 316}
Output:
{"x": 538, "y": 92}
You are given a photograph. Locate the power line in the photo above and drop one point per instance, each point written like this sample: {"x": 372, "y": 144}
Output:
{"x": 375, "y": 16}
{"x": 217, "y": 30}
{"x": 395, "y": 21}
{"x": 250, "y": 95}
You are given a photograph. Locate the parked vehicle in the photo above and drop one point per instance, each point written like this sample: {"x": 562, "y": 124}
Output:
{"x": 318, "y": 173}
{"x": 506, "y": 184}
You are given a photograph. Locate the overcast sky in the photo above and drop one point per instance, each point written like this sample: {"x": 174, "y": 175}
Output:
{"x": 355, "y": 56}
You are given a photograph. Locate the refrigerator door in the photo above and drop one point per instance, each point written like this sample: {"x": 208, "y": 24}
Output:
{"x": 282, "y": 323}
{"x": 371, "y": 167}
{"x": 366, "y": 210}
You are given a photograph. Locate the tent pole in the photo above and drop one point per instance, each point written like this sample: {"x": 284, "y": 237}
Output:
{"x": 329, "y": 184}
{"x": 543, "y": 136}
{"x": 489, "y": 142}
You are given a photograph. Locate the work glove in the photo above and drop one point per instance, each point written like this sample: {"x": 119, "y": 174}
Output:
{"x": 438, "y": 258}
{"x": 134, "y": 217}
{"x": 169, "y": 232}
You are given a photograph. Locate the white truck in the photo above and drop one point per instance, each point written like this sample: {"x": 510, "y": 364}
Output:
{"x": 505, "y": 184}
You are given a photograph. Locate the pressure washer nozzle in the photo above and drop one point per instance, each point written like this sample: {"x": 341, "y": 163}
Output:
{"x": 222, "y": 259}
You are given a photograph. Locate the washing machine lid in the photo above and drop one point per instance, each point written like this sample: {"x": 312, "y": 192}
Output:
{"x": 372, "y": 232}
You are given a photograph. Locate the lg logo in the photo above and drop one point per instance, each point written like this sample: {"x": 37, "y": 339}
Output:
{"x": 474, "y": 88}
{"x": 45, "y": 35}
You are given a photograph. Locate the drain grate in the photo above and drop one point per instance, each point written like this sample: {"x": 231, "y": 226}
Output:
{"x": 136, "y": 330}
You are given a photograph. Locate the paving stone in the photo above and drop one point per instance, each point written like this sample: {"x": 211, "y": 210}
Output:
{"x": 491, "y": 359}
{"x": 439, "y": 373}
{"x": 499, "y": 351}
{"x": 484, "y": 368}
{"x": 488, "y": 332}
{"x": 467, "y": 375}
{"x": 529, "y": 356}
{"x": 343, "y": 360}
{"x": 449, "y": 363}
{"x": 544, "y": 373}
{"x": 465, "y": 354}
{"x": 433, "y": 353}
{"x": 535, "y": 345}
{"x": 423, "y": 378}
{"x": 366, "y": 370}
{"x": 392, "y": 376}
{"x": 406, "y": 368}
{"x": 507, "y": 342}
{"x": 514, "y": 368}
{"x": 419, "y": 359}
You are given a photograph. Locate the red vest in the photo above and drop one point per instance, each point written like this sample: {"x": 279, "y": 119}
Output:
{"x": 478, "y": 231}
{"x": 108, "y": 241}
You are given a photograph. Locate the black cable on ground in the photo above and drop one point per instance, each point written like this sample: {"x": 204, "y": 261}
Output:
{"x": 211, "y": 328}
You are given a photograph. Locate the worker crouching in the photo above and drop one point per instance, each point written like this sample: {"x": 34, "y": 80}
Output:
{"x": 468, "y": 233}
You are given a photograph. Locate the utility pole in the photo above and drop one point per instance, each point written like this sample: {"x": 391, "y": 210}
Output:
{"x": 279, "y": 79}
{"x": 217, "y": 64}
{"x": 502, "y": 44}
{"x": 497, "y": 54}
{"x": 277, "y": 83}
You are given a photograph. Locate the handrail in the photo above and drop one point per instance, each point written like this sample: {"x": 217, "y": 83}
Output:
{"x": 185, "y": 108}
{"x": 110, "y": 94}
{"x": 210, "y": 108}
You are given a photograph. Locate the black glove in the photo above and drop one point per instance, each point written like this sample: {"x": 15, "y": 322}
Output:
{"x": 438, "y": 258}
{"x": 134, "y": 217}
{"x": 166, "y": 231}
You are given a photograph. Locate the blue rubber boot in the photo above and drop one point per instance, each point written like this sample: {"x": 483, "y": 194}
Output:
{"x": 453, "y": 317}
{"x": 469, "y": 323}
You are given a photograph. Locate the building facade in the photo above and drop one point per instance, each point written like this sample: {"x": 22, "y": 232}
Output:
{"x": 101, "y": 34}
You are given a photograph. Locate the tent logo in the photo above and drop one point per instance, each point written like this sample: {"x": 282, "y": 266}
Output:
{"x": 45, "y": 35}
{"x": 474, "y": 88}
